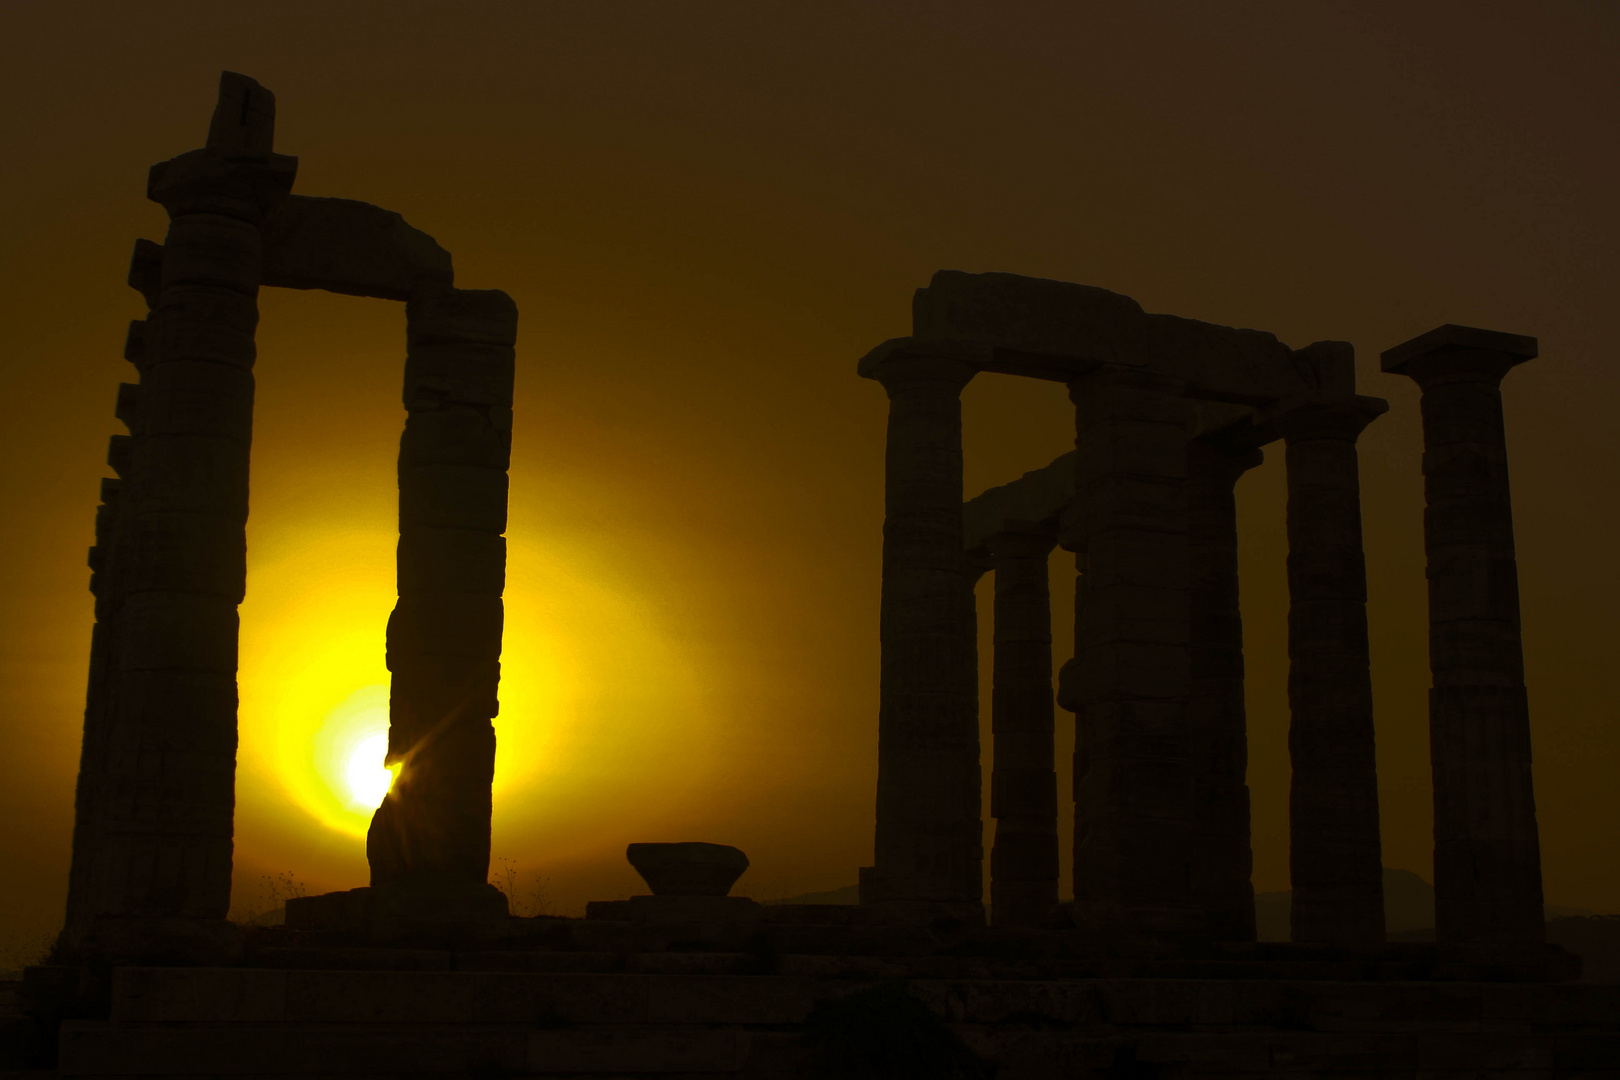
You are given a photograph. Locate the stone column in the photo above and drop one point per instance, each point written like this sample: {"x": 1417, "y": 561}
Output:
{"x": 1223, "y": 861}
{"x": 1023, "y": 780}
{"x": 929, "y": 841}
{"x": 158, "y": 875}
{"x": 429, "y": 840}
{"x": 1335, "y": 855}
{"x": 1130, "y": 684}
{"x": 1487, "y": 852}
{"x": 90, "y": 792}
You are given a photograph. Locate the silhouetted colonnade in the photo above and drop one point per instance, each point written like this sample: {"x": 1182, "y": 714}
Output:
{"x": 152, "y": 842}
{"x": 1170, "y": 412}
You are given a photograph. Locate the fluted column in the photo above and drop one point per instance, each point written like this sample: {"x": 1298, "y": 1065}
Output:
{"x": 163, "y": 852}
{"x": 1223, "y": 860}
{"x": 1487, "y": 852}
{"x": 1129, "y": 686}
{"x": 444, "y": 637}
{"x": 90, "y": 793}
{"x": 929, "y": 840}
{"x": 1023, "y": 780}
{"x": 1335, "y": 854}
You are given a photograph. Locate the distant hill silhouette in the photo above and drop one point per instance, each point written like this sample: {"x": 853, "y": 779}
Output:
{"x": 849, "y": 894}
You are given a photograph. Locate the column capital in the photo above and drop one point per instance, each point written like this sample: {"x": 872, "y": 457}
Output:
{"x": 907, "y": 361}
{"x": 1453, "y": 353}
{"x": 237, "y": 173}
{"x": 1230, "y": 453}
{"x": 239, "y": 183}
{"x": 1022, "y": 540}
{"x": 1317, "y": 416}
{"x": 1132, "y": 377}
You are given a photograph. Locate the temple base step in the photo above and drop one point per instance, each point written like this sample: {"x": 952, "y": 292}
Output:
{"x": 243, "y": 1022}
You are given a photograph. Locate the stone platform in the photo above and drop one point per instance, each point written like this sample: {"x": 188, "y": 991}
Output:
{"x": 275, "y": 1023}
{"x": 828, "y": 992}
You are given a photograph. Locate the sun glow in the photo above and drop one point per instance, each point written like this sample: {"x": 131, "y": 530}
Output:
{"x": 600, "y": 723}
{"x": 350, "y": 748}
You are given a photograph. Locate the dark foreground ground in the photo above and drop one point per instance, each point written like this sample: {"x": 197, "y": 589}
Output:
{"x": 816, "y": 993}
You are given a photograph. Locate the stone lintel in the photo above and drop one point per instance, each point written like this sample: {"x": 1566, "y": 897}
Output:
{"x": 1061, "y": 331}
{"x": 1037, "y": 497}
{"x": 350, "y": 247}
{"x": 1514, "y": 348}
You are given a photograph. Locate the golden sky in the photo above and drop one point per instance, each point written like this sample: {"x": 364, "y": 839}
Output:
{"x": 706, "y": 213}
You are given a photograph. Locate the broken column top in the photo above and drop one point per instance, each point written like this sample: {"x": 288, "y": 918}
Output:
{"x": 245, "y": 118}
{"x": 1512, "y": 348}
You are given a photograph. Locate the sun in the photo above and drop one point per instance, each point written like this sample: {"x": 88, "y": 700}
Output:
{"x": 585, "y": 668}
{"x": 364, "y": 774}
{"x": 349, "y": 750}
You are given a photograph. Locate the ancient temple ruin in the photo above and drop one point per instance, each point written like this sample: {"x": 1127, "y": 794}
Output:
{"x": 152, "y": 837}
{"x": 1153, "y": 971}
{"x": 1170, "y": 412}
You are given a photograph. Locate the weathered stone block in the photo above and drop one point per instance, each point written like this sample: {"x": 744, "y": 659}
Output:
{"x": 188, "y": 397}
{"x": 1463, "y": 412}
{"x": 1133, "y": 612}
{"x": 446, "y": 624}
{"x": 663, "y": 1048}
{"x": 199, "y": 322}
{"x": 1333, "y": 629}
{"x": 1476, "y": 652}
{"x": 181, "y": 711}
{"x": 178, "y": 630}
{"x": 1133, "y": 670}
{"x": 1132, "y": 447}
{"x": 209, "y": 249}
{"x": 194, "y": 473}
{"x": 1023, "y": 856}
{"x": 1478, "y": 522}
{"x": 1136, "y": 557}
{"x": 455, "y": 436}
{"x": 472, "y": 316}
{"x": 451, "y": 560}
{"x": 1460, "y": 470}
{"x": 1327, "y": 571}
{"x": 124, "y": 408}
{"x": 1473, "y": 585}
{"x": 1023, "y": 792}
{"x": 120, "y": 454}
{"x": 453, "y": 496}
{"x": 198, "y": 995}
{"x": 184, "y": 797}
{"x": 184, "y": 552}
{"x": 437, "y": 375}
{"x": 431, "y": 905}
{"x": 426, "y": 688}
{"x": 1130, "y": 502}
{"x": 1155, "y": 729}
{"x": 146, "y": 270}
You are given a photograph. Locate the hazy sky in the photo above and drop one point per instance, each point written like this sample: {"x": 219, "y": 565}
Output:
{"x": 706, "y": 213}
